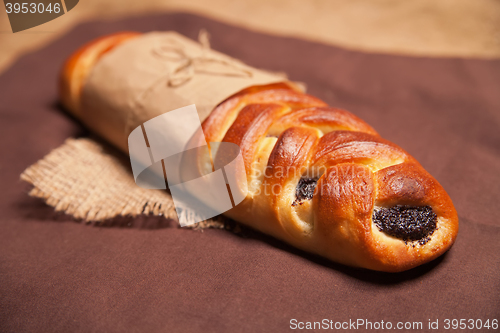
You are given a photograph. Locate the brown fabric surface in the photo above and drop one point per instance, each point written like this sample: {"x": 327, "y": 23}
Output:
{"x": 145, "y": 274}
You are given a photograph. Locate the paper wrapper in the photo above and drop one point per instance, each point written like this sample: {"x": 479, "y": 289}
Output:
{"x": 137, "y": 81}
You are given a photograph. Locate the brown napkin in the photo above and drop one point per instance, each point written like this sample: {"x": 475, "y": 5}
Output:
{"x": 56, "y": 275}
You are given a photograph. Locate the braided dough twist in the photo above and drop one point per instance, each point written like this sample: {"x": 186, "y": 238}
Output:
{"x": 288, "y": 139}
{"x": 319, "y": 178}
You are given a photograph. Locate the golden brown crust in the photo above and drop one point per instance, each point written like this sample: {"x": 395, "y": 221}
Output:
{"x": 224, "y": 114}
{"x": 286, "y": 135}
{"x": 77, "y": 67}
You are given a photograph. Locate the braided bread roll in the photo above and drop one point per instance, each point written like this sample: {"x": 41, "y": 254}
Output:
{"x": 319, "y": 178}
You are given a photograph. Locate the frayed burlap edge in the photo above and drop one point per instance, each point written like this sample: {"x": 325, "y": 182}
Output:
{"x": 92, "y": 181}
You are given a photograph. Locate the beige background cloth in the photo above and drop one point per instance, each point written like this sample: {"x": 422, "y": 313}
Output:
{"x": 466, "y": 28}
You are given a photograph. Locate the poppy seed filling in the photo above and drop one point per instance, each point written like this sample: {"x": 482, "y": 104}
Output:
{"x": 409, "y": 223}
{"x": 304, "y": 190}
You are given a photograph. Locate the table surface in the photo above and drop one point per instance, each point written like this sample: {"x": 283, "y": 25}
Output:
{"x": 145, "y": 274}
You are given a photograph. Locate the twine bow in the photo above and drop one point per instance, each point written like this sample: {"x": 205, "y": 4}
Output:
{"x": 190, "y": 65}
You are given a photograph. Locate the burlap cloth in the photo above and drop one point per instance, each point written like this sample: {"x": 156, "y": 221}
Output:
{"x": 57, "y": 275}
{"x": 91, "y": 181}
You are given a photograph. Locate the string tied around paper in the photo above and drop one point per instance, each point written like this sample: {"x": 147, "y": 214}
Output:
{"x": 191, "y": 64}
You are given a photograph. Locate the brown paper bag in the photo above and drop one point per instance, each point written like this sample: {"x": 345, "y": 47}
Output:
{"x": 137, "y": 81}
